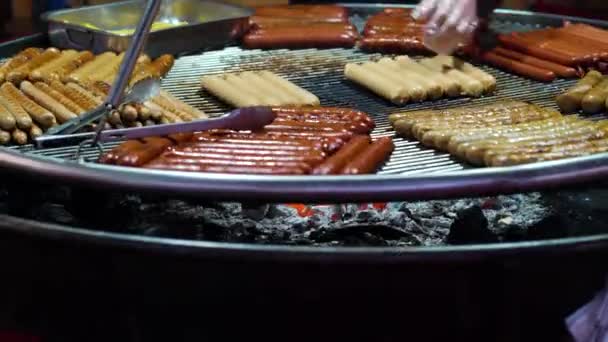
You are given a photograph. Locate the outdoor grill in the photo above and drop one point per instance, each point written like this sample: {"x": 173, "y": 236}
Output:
{"x": 451, "y": 240}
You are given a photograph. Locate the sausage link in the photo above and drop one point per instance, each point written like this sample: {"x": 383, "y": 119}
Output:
{"x": 113, "y": 155}
{"x": 150, "y": 149}
{"x": 44, "y": 71}
{"x": 61, "y": 113}
{"x": 595, "y": 100}
{"x": 370, "y": 158}
{"x": 558, "y": 69}
{"x": 19, "y": 137}
{"x": 519, "y": 68}
{"x": 393, "y": 44}
{"x": 5, "y": 137}
{"x": 21, "y": 73}
{"x": 523, "y": 46}
{"x": 22, "y": 118}
{"x": 81, "y": 74}
{"x": 571, "y": 100}
{"x": 35, "y": 132}
{"x": 334, "y": 164}
{"x": 59, "y": 97}
{"x": 84, "y": 102}
{"x": 17, "y": 61}
{"x": 7, "y": 119}
{"x": 225, "y": 169}
{"x": 61, "y": 72}
{"x": 40, "y": 115}
{"x": 223, "y": 160}
{"x": 292, "y": 37}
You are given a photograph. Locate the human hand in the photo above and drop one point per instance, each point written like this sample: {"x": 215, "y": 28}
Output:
{"x": 450, "y": 23}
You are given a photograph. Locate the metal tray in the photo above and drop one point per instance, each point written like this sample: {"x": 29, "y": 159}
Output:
{"x": 413, "y": 172}
{"x": 210, "y": 24}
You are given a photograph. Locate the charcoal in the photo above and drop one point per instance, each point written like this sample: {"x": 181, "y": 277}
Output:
{"x": 471, "y": 226}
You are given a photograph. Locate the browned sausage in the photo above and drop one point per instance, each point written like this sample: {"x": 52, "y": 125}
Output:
{"x": 203, "y": 159}
{"x": 290, "y": 125}
{"x": 523, "y": 46}
{"x": 112, "y": 156}
{"x": 247, "y": 145}
{"x": 226, "y": 169}
{"x": 312, "y": 157}
{"x": 391, "y": 43}
{"x": 19, "y": 137}
{"x": 370, "y": 158}
{"x": 334, "y": 164}
{"x": 558, "y": 69}
{"x": 17, "y": 61}
{"x": 5, "y": 137}
{"x": 519, "y": 68}
{"x": 59, "y": 97}
{"x": 42, "y": 116}
{"x": 258, "y": 141}
{"x": 151, "y": 148}
{"x": 292, "y": 37}
{"x": 21, "y": 73}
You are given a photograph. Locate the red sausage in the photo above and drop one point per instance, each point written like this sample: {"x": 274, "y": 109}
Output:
{"x": 293, "y": 37}
{"x": 393, "y": 44}
{"x": 160, "y": 164}
{"x": 370, "y": 159}
{"x": 334, "y": 164}
{"x": 526, "y": 47}
{"x": 112, "y": 156}
{"x": 213, "y": 154}
{"x": 558, "y": 69}
{"x": 141, "y": 155}
{"x": 283, "y": 125}
{"x": 519, "y": 68}
{"x": 246, "y": 146}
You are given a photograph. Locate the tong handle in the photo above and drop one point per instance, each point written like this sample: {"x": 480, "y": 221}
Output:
{"x": 160, "y": 130}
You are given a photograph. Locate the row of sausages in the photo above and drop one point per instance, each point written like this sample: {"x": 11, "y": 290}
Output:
{"x": 302, "y": 140}
{"x": 403, "y": 79}
{"x": 71, "y": 66}
{"x": 257, "y": 88}
{"x": 504, "y": 133}
{"x": 394, "y": 31}
{"x": 282, "y": 26}
{"x": 589, "y": 94}
{"x": 546, "y": 54}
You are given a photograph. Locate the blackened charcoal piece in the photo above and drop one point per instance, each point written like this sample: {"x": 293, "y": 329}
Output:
{"x": 470, "y": 226}
{"x": 360, "y": 231}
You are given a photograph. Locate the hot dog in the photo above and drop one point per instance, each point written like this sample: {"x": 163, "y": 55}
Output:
{"x": 45, "y": 70}
{"x": 595, "y": 100}
{"x": 112, "y": 156}
{"x": 21, "y": 73}
{"x": 5, "y": 137}
{"x": 203, "y": 161}
{"x": 449, "y": 86}
{"x": 7, "y": 120}
{"x": 330, "y": 142}
{"x": 392, "y": 44}
{"x": 316, "y": 115}
{"x": 523, "y": 46}
{"x": 468, "y": 84}
{"x": 40, "y": 115}
{"x": 82, "y": 73}
{"x": 17, "y": 61}
{"x": 519, "y": 68}
{"x": 558, "y": 69}
{"x": 258, "y": 140}
{"x": 19, "y": 137}
{"x": 246, "y": 145}
{"x": 61, "y": 72}
{"x": 571, "y": 100}
{"x": 61, "y": 113}
{"x": 35, "y": 132}
{"x": 225, "y": 169}
{"x": 319, "y": 36}
{"x": 22, "y": 118}
{"x": 84, "y": 102}
{"x": 370, "y": 159}
{"x": 334, "y": 164}
{"x": 59, "y": 97}
{"x": 311, "y": 157}
{"x": 150, "y": 149}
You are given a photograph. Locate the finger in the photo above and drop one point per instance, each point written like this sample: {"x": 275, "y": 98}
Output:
{"x": 439, "y": 17}
{"x": 454, "y": 18}
{"x": 425, "y": 9}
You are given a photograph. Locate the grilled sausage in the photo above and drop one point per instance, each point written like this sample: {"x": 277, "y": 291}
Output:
{"x": 488, "y": 81}
{"x": 205, "y": 161}
{"x": 370, "y": 159}
{"x": 61, "y": 113}
{"x": 558, "y": 69}
{"x": 334, "y": 164}
{"x": 59, "y": 97}
{"x": 318, "y": 35}
{"x": 5, "y": 137}
{"x": 595, "y": 100}
{"x": 44, "y": 71}
{"x": 182, "y": 106}
{"x": 61, "y": 72}
{"x": 17, "y": 61}
{"x": 22, "y": 118}
{"x": 525, "y": 47}
{"x": 21, "y": 73}
{"x": 432, "y": 89}
{"x": 113, "y": 155}
{"x": 84, "y": 102}
{"x": 7, "y": 119}
{"x": 40, "y": 115}
{"x": 35, "y": 132}
{"x": 519, "y": 68}
{"x": 81, "y": 74}
{"x": 393, "y": 44}
{"x": 150, "y": 149}
{"x": 468, "y": 84}
{"x": 226, "y": 169}
{"x": 369, "y": 77}
{"x": 449, "y": 86}
{"x": 571, "y": 100}
{"x": 305, "y": 97}
{"x": 128, "y": 113}
{"x": 19, "y": 137}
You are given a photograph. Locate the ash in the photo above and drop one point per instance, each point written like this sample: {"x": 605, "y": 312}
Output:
{"x": 429, "y": 223}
